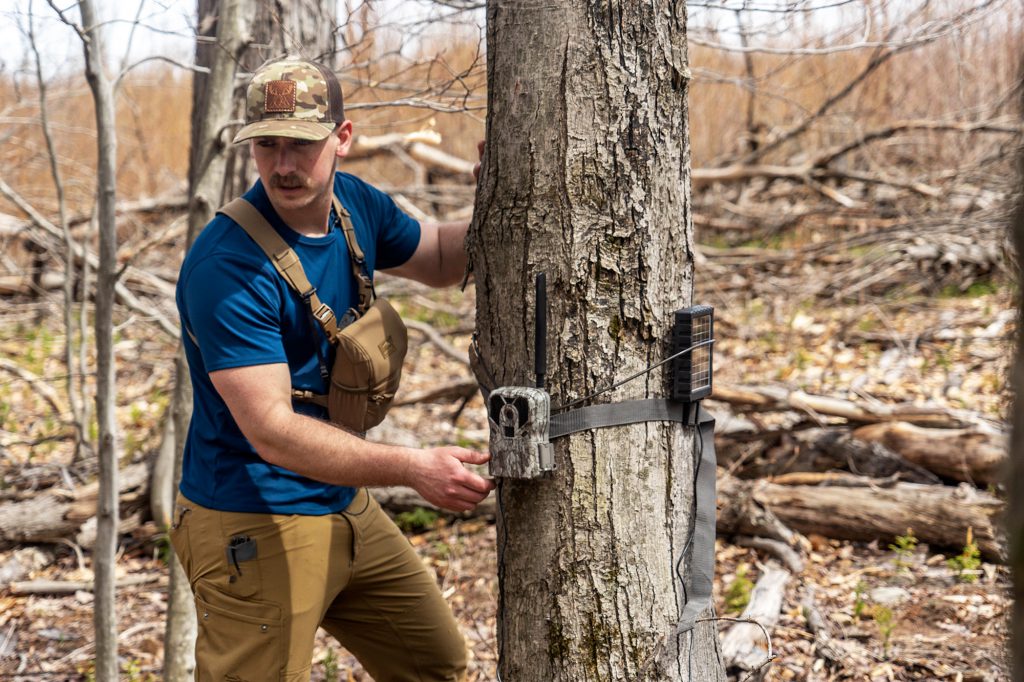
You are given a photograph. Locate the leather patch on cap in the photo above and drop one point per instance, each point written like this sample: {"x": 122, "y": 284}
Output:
{"x": 280, "y": 97}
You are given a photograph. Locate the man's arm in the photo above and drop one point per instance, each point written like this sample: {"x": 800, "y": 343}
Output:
{"x": 259, "y": 398}
{"x": 440, "y": 258}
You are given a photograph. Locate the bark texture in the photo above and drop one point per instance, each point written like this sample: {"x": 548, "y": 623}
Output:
{"x": 586, "y": 178}
{"x": 976, "y": 455}
{"x": 1015, "y": 482}
{"x": 213, "y": 105}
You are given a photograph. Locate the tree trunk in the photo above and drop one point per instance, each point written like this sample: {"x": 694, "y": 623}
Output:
{"x": 243, "y": 30}
{"x": 586, "y": 178}
{"x": 73, "y": 383}
{"x": 213, "y": 106}
{"x": 1015, "y": 482}
{"x": 104, "y": 553}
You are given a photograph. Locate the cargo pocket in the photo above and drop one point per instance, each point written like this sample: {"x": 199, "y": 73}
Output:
{"x": 238, "y": 639}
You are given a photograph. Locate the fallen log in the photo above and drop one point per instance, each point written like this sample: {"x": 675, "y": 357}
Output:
{"x": 55, "y": 514}
{"x": 827, "y": 449}
{"x": 57, "y": 587}
{"x": 939, "y": 515}
{"x": 975, "y": 455}
{"x": 783, "y": 398}
{"x": 365, "y": 146}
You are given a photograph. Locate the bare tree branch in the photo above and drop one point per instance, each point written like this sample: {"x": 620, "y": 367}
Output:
{"x": 944, "y": 29}
{"x": 124, "y": 295}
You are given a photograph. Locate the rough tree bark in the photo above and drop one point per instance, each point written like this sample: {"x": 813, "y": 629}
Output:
{"x": 105, "y": 614}
{"x": 1015, "y": 478}
{"x": 586, "y": 178}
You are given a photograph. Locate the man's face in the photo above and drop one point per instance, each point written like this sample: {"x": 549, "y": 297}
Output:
{"x": 297, "y": 174}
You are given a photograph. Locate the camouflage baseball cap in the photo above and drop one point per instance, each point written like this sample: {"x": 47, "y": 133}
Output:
{"x": 292, "y": 97}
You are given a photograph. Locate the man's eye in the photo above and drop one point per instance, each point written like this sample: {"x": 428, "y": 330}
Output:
{"x": 264, "y": 143}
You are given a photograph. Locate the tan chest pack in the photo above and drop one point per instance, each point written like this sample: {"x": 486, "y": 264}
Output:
{"x": 370, "y": 341}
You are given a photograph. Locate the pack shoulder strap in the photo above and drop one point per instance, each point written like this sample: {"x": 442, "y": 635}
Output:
{"x": 283, "y": 257}
{"x": 355, "y": 254}
{"x": 288, "y": 265}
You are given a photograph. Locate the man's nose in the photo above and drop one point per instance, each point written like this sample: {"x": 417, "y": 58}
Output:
{"x": 284, "y": 160}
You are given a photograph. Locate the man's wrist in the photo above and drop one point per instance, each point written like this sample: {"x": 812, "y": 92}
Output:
{"x": 405, "y": 465}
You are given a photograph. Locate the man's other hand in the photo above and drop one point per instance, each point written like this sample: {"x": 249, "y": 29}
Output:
{"x": 476, "y": 168}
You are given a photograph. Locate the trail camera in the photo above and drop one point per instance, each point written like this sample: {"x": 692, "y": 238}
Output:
{"x": 519, "y": 418}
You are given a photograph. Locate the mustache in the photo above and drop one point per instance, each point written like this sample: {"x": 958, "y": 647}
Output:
{"x": 289, "y": 181}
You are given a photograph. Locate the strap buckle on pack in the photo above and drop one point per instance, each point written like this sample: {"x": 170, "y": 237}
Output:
{"x": 323, "y": 314}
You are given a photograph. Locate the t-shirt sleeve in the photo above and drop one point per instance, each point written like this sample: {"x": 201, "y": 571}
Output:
{"x": 397, "y": 235}
{"x": 232, "y": 311}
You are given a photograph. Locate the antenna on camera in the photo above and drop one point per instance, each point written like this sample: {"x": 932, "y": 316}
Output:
{"x": 540, "y": 330}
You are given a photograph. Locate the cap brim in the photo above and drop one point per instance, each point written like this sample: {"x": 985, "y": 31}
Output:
{"x": 300, "y": 130}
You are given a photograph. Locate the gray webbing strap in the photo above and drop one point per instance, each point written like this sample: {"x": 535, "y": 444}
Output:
{"x": 702, "y": 565}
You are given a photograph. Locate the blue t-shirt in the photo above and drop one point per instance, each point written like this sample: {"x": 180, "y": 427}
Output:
{"x": 243, "y": 313}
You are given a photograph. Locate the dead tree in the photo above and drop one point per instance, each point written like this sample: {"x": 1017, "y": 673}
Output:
{"x": 586, "y": 178}
{"x": 1015, "y": 483}
{"x": 213, "y": 105}
{"x": 104, "y": 555}
{"x": 245, "y": 33}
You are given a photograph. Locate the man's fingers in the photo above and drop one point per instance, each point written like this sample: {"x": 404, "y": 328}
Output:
{"x": 472, "y": 456}
{"x": 476, "y": 168}
{"x": 478, "y": 484}
{"x": 469, "y": 498}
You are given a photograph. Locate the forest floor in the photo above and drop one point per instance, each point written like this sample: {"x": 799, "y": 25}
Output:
{"x": 904, "y": 613}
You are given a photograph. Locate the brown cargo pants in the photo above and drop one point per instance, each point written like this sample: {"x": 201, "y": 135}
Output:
{"x": 263, "y": 583}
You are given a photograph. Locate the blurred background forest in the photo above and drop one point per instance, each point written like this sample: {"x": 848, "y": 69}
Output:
{"x": 853, "y": 170}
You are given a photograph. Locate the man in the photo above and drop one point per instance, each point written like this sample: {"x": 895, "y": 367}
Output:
{"x": 271, "y": 525}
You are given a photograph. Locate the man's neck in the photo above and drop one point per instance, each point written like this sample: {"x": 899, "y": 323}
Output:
{"x": 311, "y": 221}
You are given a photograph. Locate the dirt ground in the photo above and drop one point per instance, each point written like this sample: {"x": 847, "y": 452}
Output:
{"x": 941, "y": 628}
{"x": 891, "y": 614}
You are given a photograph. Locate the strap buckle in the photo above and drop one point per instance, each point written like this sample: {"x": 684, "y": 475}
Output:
{"x": 323, "y": 314}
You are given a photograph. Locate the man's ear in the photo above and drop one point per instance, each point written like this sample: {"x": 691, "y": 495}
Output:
{"x": 345, "y": 138}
